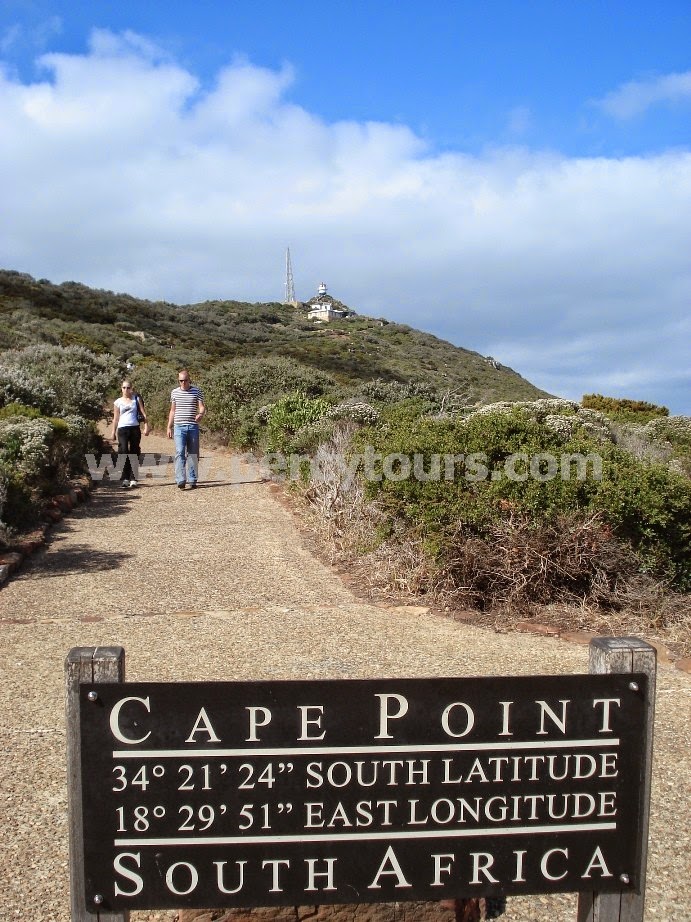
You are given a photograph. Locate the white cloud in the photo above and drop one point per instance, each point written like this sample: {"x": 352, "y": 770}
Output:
{"x": 637, "y": 96}
{"x": 121, "y": 172}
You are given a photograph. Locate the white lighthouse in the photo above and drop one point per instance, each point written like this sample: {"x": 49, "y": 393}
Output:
{"x": 323, "y": 306}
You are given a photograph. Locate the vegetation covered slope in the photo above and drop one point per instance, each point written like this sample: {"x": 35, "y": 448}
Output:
{"x": 433, "y": 470}
{"x": 201, "y": 335}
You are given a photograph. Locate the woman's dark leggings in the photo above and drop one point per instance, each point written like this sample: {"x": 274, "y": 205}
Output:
{"x": 129, "y": 439}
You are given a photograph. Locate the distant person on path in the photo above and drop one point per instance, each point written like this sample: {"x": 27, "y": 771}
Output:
{"x": 186, "y": 409}
{"x": 128, "y": 410}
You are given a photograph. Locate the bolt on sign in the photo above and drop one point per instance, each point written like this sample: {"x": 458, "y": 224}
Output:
{"x": 290, "y": 793}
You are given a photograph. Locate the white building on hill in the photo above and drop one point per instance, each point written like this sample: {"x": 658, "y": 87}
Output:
{"x": 325, "y": 308}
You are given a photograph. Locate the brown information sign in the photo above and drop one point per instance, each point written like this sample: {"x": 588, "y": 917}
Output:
{"x": 290, "y": 793}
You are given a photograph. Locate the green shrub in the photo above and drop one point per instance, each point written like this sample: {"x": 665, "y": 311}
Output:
{"x": 38, "y": 456}
{"x": 674, "y": 431}
{"x": 71, "y": 439}
{"x": 291, "y": 414}
{"x": 624, "y": 410}
{"x": 647, "y": 507}
{"x": 24, "y": 445}
{"x": 19, "y": 507}
{"x": 57, "y": 380}
{"x": 14, "y": 410}
{"x": 392, "y": 392}
{"x": 235, "y": 390}
{"x": 24, "y": 453}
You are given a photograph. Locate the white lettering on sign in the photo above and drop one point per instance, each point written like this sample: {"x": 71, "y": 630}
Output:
{"x": 389, "y": 866}
{"x": 365, "y": 774}
{"x": 385, "y": 715}
{"x": 203, "y": 725}
{"x": 115, "y": 718}
{"x": 606, "y": 705}
{"x": 469, "y": 718}
{"x": 546, "y": 710}
{"x": 440, "y": 868}
{"x": 255, "y": 722}
{"x": 552, "y": 767}
{"x": 189, "y": 874}
{"x": 307, "y": 721}
{"x": 313, "y": 874}
{"x": 261, "y": 794}
{"x": 221, "y": 877}
{"x": 275, "y": 870}
{"x": 474, "y": 868}
{"x": 597, "y": 862}
{"x": 121, "y": 868}
{"x": 505, "y": 711}
{"x": 456, "y": 720}
{"x": 482, "y": 862}
{"x": 544, "y": 864}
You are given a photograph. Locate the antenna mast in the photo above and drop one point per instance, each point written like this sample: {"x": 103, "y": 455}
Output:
{"x": 290, "y": 287}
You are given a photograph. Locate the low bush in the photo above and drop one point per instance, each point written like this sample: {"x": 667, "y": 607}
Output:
{"x": 21, "y": 386}
{"x": 519, "y": 563}
{"x": 38, "y": 456}
{"x": 50, "y": 398}
{"x": 393, "y": 392}
{"x": 57, "y": 380}
{"x": 237, "y": 389}
{"x": 675, "y": 432}
{"x": 624, "y": 410}
{"x": 503, "y": 506}
{"x": 473, "y": 469}
{"x": 290, "y": 416}
{"x": 649, "y": 507}
{"x": 18, "y": 410}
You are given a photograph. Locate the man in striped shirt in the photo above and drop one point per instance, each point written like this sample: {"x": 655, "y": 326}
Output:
{"x": 186, "y": 409}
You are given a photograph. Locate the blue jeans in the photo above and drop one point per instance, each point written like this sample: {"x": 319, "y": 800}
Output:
{"x": 186, "y": 439}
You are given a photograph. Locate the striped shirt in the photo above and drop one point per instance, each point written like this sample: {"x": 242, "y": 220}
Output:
{"x": 186, "y": 403}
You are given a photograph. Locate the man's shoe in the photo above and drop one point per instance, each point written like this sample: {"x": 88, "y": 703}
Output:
{"x": 181, "y": 486}
{"x": 193, "y": 486}
{"x": 125, "y": 483}
{"x": 133, "y": 483}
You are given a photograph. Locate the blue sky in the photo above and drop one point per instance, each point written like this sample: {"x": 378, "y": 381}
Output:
{"x": 512, "y": 176}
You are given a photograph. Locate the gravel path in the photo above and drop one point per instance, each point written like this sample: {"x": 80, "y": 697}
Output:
{"x": 258, "y": 605}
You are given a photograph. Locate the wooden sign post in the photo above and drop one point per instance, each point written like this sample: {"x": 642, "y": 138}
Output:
{"x": 621, "y": 655}
{"x": 240, "y": 794}
{"x": 84, "y": 665}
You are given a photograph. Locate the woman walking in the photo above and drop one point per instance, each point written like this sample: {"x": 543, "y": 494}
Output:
{"x": 128, "y": 410}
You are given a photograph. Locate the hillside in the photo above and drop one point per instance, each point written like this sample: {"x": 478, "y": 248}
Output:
{"x": 202, "y": 335}
{"x": 359, "y": 414}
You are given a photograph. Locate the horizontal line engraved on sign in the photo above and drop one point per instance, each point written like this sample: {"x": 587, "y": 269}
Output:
{"x": 356, "y": 750}
{"x": 358, "y": 837}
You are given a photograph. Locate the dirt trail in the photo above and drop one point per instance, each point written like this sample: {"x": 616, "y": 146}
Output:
{"x": 216, "y": 584}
